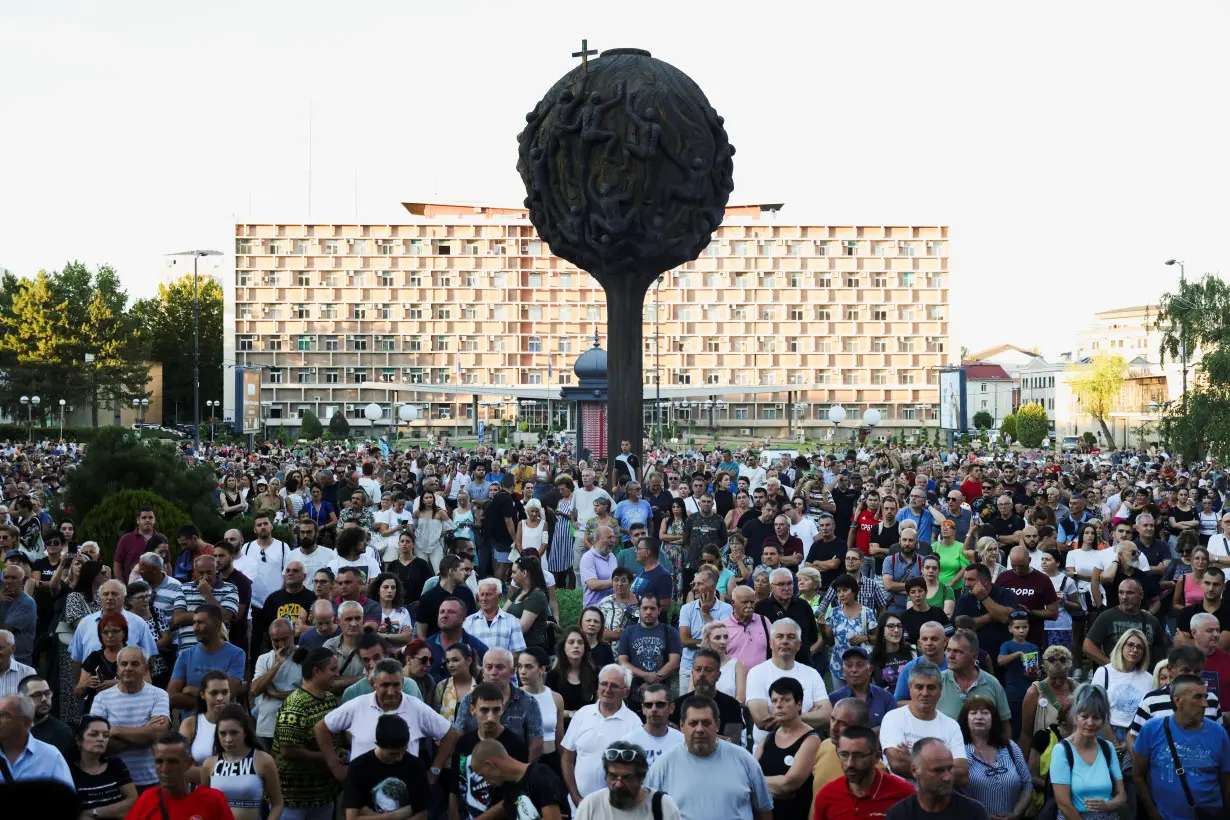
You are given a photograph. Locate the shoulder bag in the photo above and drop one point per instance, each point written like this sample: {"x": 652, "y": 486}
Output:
{"x": 1202, "y": 813}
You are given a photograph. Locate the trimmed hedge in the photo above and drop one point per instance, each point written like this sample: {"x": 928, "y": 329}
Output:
{"x": 118, "y": 514}
{"x": 569, "y": 606}
{"x": 81, "y": 435}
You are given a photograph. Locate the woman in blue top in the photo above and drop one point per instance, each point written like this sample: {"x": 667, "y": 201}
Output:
{"x": 1091, "y": 786}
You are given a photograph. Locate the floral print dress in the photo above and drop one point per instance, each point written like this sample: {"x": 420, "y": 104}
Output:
{"x": 672, "y": 557}
{"x": 843, "y": 629}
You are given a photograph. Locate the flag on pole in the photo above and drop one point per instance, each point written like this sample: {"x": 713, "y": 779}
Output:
{"x": 550, "y": 376}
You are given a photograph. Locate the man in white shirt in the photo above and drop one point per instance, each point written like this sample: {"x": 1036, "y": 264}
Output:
{"x": 1219, "y": 544}
{"x": 358, "y": 718}
{"x": 656, "y": 737}
{"x": 755, "y": 474}
{"x": 801, "y": 526}
{"x": 906, "y": 725}
{"x": 592, "y": 729}
{"x": 262, "y": 560}
{"x": 313, "y": 556}
{"x": 786, "y": 638}
{"x": 583, "y": 505}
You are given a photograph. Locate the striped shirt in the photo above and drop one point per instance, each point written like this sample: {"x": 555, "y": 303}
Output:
{"x": 10, "y": 679}
{"x": 163, "y": 598}
{"x": 134, "y": 710}
{"x": 190, "y": 599}
{"x": 504, "y": 631}
{"x": 1157, "y": 704}
{"x": 998, "y": 785}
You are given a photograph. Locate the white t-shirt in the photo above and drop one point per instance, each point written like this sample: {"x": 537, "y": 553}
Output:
{"x": 368, "y": 565}
{"x": 756, "y": 476}
{"x": 761, "y": 676}
{"x": 1124, "y": 690}
{"x": 588, "y": 735}
{"x": 359, "y": 716}
{"x": 319, "y": 559}
{"x": 654, "y": 746}
{"x": 900, "y": 726}
{"x": 597, "y": 806}
{"x": 1084, "y": 562}
{"x": 583, "y": 502}
{"x": 286, "y": 679}
{"x": 1109, "y": 556}
{"x": 806, "y": 531}
{"x": 1219, "y": 547}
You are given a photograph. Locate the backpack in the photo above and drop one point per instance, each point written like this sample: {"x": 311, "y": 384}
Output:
{"x": 1044, "y": 806}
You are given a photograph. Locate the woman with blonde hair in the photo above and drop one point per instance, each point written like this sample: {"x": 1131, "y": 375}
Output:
{"x": 1161, "y": 674}
{"x": 532, "y": 530}
{"x": 1126, "y": 679}
{"x": 989, "y": 553}
{"x": 733, "y": 679}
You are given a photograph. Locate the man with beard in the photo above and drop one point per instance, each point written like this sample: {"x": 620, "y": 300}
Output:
{"x": 932, "y": 766}
{"x": 472, "y": 791}
{"x": 706, "y": 669}
{"x": 709, "y": 778}
{"x": 47, "y": 728}
{"x": 624, "y": 767}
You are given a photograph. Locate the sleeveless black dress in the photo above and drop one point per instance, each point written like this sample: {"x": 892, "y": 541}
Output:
{"x": 775, "y": 762}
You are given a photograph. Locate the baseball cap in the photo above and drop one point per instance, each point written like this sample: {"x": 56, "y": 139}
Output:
{"x": 16, "y": 555}
{"x": 861, "y": 651}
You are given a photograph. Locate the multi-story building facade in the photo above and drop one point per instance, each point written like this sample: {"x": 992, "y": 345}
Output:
{"x": 340, "y": 315}
{"x": 1132, "y": 333}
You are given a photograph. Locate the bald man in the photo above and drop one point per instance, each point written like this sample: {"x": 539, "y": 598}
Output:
{"x": 1034, "y": 593}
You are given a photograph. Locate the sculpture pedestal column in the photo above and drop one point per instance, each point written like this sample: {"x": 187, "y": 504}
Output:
{"x": 625, "y": 315}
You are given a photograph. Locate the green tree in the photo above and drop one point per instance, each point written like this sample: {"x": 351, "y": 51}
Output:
{"x": 983, "y": 420}
{"x": 166, "y": 323}
{"x": 1089, "y": 438}
{"x": 339, "y": 426}
{"x": 1197, "y": 318}
{"x": 35, "y": 343}
{"x": 1096, "y": 386}
{"x": 117, "y": 460}
{"x": 1008, "y": 426}
{"x": 1032, "y": 424}
{"x": 310, "y": 427}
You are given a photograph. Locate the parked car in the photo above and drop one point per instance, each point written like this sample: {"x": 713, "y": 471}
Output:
{"x": 1071, "y": 444}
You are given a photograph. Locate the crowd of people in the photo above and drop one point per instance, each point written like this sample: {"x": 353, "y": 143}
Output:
{"x": 445, "y": 632}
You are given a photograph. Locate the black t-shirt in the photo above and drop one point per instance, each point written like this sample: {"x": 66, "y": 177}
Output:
{"x": 289, "y": 605}
{"x": 385, "y": 787}
{"x": 539, "y": 787}
{"x": 729, "y": 710}
{"x": 1156, "y": 553}
{"x": 429, "y": 605}
{"x": 43, "y": 599}
{"x": 755, "y": 531}
{"x": 826, "y": 551}
{"x": 1148, "y": 585}
{"x": 1222, "y": 614}
{"x": 959, "y": 807}
{"x": 474, "y": 794}
{"x": 494, "y": 526}
{"x": 1007, "y": 526}
{"x": 412, "y": 577}
{"x": 913, "y": 621}
{"x": 844, "y": 500}
{"x": 97, "y": 790}
{"x": 56, "y": 732}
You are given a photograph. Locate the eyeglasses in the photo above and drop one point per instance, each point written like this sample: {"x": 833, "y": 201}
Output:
{"x": 855, "y": 756}
{"x": 621, "y": 755}
{"x": 45, "y": 695}
{"x": 654, "y": 704}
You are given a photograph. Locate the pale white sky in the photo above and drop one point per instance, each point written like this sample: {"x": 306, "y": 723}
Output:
{"x": 1072, "y": 147}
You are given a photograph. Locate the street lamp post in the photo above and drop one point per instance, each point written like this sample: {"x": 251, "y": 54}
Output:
{"x": 196, "y": 343}
{"x": 63, "y": 403}
{"x": 30, "y": 403}
{"x": 837, "y": 414}
{"x": 140, "y": 405}
{"x": 871, "y": 417}
{"x": 1182, "y": 330}
{"x": 212, "y": 405}
{"x": 657, "y": 365}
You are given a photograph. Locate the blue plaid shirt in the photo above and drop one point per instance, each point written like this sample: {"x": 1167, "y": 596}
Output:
{"x": 504, "y": 631}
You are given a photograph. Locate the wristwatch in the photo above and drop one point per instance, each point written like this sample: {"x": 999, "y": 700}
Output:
{"x": 435, "y": 770}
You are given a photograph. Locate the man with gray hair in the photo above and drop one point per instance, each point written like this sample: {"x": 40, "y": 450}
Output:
{"x": 783, "y": 603}
{"x": 904, "y": 727}
{"x": 18, "y": 612}
{"x": 85, "y": 637}
{"x": 138, "y": 711}
{"x": 593, "y": 729}
{"x": 23, "y": 756}
{"x": 162, "y": 587}
{"x": 346, "y": 646}
{"x": 205, "y": 588}
{"x": 1206, "y": 635}
{"x": 583, "y": 504}
{"x": 597, "y": 567}
{"x": 784, "y": 640}
{"x": 12, "y": 672}
{"x": 492, "y": 625}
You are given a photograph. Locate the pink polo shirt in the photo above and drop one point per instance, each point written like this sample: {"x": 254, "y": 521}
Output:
{"x": 748, "y": 642}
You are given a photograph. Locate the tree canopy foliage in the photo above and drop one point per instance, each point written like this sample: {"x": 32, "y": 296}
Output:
{"x": 166, "y": 328}
{"x": 1096, "y": 385}
{"x": 1196, "y": 318}
{"x": 1032, "y": 425}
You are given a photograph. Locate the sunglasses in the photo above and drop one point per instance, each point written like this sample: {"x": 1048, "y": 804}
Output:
{"x": 621, "y": 755}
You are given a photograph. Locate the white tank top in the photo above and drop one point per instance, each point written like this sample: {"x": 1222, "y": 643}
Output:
{"x": 203, "y": 740}
{"x": 531, "y": 537}
{"x": 546, "y": 705}
{"x": 239, "y": 781}
{"x": 726, "y": 682}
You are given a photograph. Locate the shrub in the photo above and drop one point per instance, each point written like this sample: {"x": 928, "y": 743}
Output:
{"x": 117, "y": 460}
{"x": 310, "y": 427}
{"x": 116, "y": 515}
{"x": 1008, "y": 427}
{"x": 338, "y": 426}
{"x": 1032, "y": 424}
{"x": 569, "y": 606}
{"x": 1089, "y": 438}
{"x": 983, "y": 420}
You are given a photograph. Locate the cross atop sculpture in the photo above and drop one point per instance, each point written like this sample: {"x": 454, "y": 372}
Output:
{"x": 585, "y": 53}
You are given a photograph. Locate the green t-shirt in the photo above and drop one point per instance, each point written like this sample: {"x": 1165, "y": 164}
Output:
{"x": 944, "y": 594}
{"x": 305, "y": 783}
{"x": 987, "y": 686}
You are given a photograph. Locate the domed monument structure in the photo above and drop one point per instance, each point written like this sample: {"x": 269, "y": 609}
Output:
{"x": 627, "y": 170}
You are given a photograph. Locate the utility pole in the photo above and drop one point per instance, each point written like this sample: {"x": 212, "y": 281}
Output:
{"x": 196, "y": 342}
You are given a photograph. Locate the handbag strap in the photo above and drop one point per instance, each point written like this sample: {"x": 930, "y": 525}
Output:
{"x": 1178, "y": 764}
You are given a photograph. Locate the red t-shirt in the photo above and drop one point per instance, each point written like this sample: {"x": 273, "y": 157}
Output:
{"x": 1033, "y": 591}
{"x": 202, "y": 803}
{"x": 971, "y": 489}
{"x": 1217, "y": 674}
{"x": 865, "y": 523}
{"x": 129, "y": 549}
{"x": 834, "y": 801}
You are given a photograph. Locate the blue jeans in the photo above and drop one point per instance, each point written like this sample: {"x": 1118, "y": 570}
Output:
{"x": 309, "y": 813}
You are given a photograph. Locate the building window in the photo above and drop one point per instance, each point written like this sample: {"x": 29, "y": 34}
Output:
{"x": 984, "y": 389}
{"x": 905, "y": 344}
{"x": 534, "y": 345}
{"x": 851, "y": 313}
{"x": 879, "y": 345}
{"x": 442, "y": 313}
{"x": 565, "y": 344}
{"x": 907, "y": 377}
{"x": 331, "y": 247}
{"x": 273, "y": 343}
{"x": 907, "y": 279}
{"x": 908, "y": 413}
{"x": 416, "y": 376}
{"x": 331, "y": 376}
{"x": 712, "y": 377}
{"x": 766, "y": 314}
{"x": 879, "y": 313}
{"x": 849, "y": 344}
{"x": 823, "y": 314}
{"x": 275, "y": 375}
{"x": 879, "y": 377}
{"x": 824, "y": 280}
{"x": 303, "y": 375}
{"x": 304, "y": 343}
{"x": 247, "y": 343}
{"x": 685, "y": 313}
{"x": 851, "y": 280}
{"x": 849, "y": 377}
{"x": 849, "y": 248}
{"x": 741, "y": 412}
{"x": 769, "y": 412}
{"x": 879, "y": 280}
{"x": 935, "y": 344}
{"x": 440, "y": 344}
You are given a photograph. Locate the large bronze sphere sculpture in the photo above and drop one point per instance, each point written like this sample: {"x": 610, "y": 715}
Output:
{"x": 628, "y": 170}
